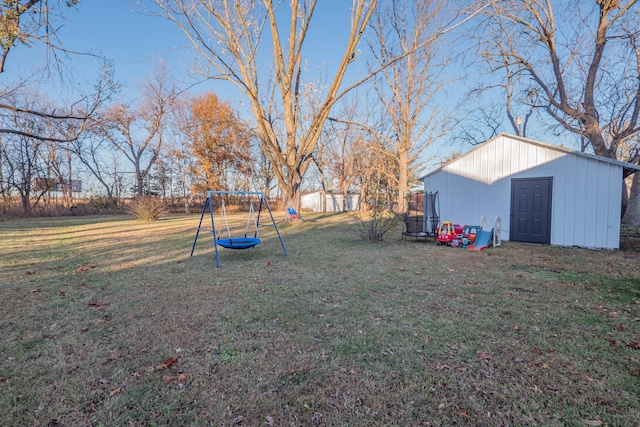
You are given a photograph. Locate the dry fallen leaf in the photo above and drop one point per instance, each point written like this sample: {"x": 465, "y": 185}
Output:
{"x": 168, "y": 378}
{"x": 114, "y": 391}
{"x": 620, "y": 327}
{"x": 169, "y": 362}
{"x": 592, "y": 422}
{"x": 483, "y": 355}
{"x": 97, "y": 305}
{"x": 115, "y": 354}
{"x": 612, "y": 341}
{"x": 182, "y": 379}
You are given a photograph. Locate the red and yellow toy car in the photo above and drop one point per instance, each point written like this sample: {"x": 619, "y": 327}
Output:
{"x": 447, "y": 232}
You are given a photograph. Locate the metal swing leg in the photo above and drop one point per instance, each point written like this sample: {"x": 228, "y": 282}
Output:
{"x": 208, "y": 202}
{"x": 266, "y": 203}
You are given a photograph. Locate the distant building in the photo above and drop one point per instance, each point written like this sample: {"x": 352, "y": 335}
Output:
{"x": 320, "y": 201}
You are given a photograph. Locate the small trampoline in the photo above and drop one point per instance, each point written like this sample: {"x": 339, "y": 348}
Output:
{"x": 238, "y": 242}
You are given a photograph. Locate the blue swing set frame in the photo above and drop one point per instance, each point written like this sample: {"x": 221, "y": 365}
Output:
{"x": 237, "y": 242}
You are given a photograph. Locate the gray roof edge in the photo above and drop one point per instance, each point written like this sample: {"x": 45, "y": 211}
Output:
{"x": 540, "y": 144}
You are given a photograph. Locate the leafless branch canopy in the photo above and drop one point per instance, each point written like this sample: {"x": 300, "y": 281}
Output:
{"x": 582, "y": 57}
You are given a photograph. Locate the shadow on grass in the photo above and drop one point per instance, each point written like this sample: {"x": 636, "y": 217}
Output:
{"x": 116, "y": 325}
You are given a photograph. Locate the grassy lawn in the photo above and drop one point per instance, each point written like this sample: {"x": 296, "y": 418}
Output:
{"x": 107, "y": 321}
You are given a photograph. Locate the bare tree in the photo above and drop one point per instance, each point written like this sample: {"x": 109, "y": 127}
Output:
{"x": 101, "y": 160}
{"x": 229, "y": 35}
{"x": 26, "y": 22}
{"x": 481, "y": 115}
{"x": 407, "y": 88}
{"x": 22, "y": 162}
{"x": 57, "y": 169}
{"x": 378, "y": 176}
{"x": 23, "y": 22}
{"x": 137, "y": 132}
{"x": 183, "y": 164}
{"x": 630, "y": 149}
{"x": 583, "y": 58}
{"x": 340, "y": 153}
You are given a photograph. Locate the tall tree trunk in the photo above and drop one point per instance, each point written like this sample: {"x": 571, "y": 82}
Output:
{"x": 187, "y": 207}
{"x": 26, "y": 202}
{"x": 68, "y": 194}
{"x": 291, "y": 195}
{"x": 403, "y": 178}
{"x": 632, "y": 213}
{"x": 139, "y": 180}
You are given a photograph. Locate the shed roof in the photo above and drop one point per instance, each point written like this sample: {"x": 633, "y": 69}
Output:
{"x": 628, "y": 168}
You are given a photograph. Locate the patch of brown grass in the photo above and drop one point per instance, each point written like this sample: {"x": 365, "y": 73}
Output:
{"x": 630, "y": 238}
{"x": 108, "y": 321}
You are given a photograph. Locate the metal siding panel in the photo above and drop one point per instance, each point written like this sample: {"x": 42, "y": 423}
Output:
{"x": 503, "y": 188}
{"x": 311, "y": 201}
{"x": 565, "y": 187}
{"x": 485, "y": 166}
{"x": 516, "y": 164}
{"x": 511, "y": 159}
{"x": 590, "y": 222}
{"x": 610, "y": 198}
{"x": 500, "y": 156}
{"x": 453, "y": 196}
{"x": 582, "y": 200}
{"x": 528, "y": 152}
{"x": 557, "y": 169}
{"x": 614, "y": 204}
{"x": 529, "y": 157}
{"x": 601, "y": 204}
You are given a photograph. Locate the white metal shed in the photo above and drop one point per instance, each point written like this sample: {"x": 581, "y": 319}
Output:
{"x": 543, "y": 193}
{"x": 320, "y": 201}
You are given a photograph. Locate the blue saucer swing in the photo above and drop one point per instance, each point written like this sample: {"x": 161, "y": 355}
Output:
{"x": 238, "y": 242}
{"x": 243, "y": 242}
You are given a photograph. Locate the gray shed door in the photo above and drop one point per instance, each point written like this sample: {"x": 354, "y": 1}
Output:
{"x": 531, "y": 210}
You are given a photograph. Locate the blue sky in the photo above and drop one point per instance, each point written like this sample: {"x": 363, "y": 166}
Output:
{"x": 112, "y": 29}
{"x": 135, "y": 42}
